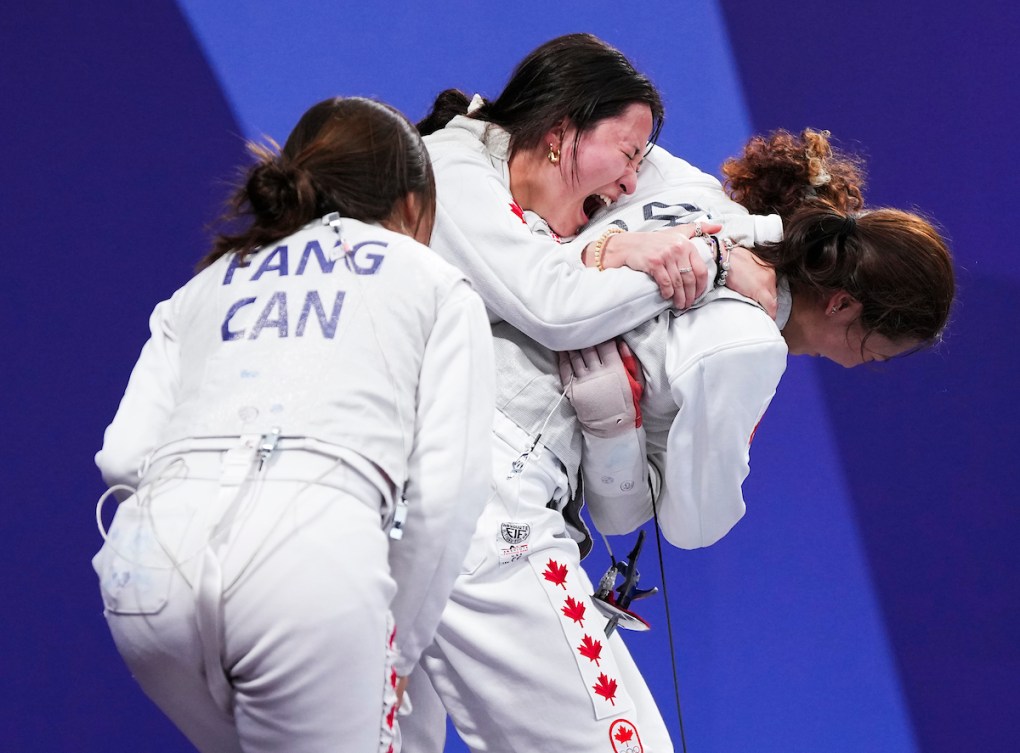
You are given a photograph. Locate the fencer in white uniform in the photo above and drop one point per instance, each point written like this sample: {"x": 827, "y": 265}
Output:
{"x": 854, "y": 287}
{"x": 308, "y": 434}
{"x": 521, "y": 660}
{"x": 710, "y": 373}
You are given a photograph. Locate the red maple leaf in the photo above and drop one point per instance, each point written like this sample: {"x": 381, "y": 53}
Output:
{"x": 591, "y": 650}
{"x": 574, "y": 610}
{"x": 393, "y": 678}
{"x": 556, "y": 573}
{"x": 625, "y": 733}
{"x": 390, "y": 716}
{"x": 606, "y": 688}
{"x": 516, "y": 209}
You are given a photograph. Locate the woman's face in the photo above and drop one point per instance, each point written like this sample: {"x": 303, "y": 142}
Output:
{"x": 848, "y": 348}
{"x": 832, "y": 329}
{"x": 603, "y": 169}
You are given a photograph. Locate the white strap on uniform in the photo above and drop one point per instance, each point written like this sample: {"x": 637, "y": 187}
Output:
{"x": 238, "y": 464}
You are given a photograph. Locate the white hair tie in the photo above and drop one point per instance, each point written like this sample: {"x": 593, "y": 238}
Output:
{"x": 476, "y": 104}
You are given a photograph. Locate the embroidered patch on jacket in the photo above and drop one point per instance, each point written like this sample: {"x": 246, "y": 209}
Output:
{"x": 515, "y": 533}
{"x": 584, "y": 629}
{"x": 513, "y": 542}
{"x": 624, "y": 737}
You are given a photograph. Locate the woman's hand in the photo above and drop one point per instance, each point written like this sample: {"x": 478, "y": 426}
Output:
{"x": 667, "y": 256}
{"x": 753, "y": 278}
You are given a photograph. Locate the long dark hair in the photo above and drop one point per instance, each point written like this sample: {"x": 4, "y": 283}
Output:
{"x": 350, "y": 155}
{"x": 576, "y": 78}
{"x": 894, "y": 263}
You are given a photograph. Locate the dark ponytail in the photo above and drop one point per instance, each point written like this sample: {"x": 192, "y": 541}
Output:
{"x": 894, "y": 263}
{"x": 575, "y": 78}
{"x": 447, "y": 106}
{"x": 281, "y": 194}
{"x": 354, "y": 156}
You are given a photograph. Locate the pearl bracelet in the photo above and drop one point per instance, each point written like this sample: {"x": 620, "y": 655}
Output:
{"x": 600, "y": 244}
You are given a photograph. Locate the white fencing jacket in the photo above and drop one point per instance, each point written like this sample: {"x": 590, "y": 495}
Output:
{"x": 710, "y": 374}
{"x": 383, "y": 353}
{"x": 525, "y": 277}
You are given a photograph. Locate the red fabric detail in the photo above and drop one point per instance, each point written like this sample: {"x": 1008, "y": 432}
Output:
{"x": 606, "y": 688}
{"x": 516, "y": 209}
{"x": 574, "y": 610}
{"x": 754, "y": 431}
{"x": 624, "y": 735}
{"x": 637, "y": 387}
{"x": 556, "y": 573}
{"x": 591, "y": 649}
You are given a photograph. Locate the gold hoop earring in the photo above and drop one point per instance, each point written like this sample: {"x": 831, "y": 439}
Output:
{"x": 554, "y": 154}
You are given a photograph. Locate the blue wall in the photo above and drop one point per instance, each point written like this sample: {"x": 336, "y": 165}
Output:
{"x": 867, "y": 602}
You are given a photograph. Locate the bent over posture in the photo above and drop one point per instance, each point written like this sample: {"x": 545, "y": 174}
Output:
{"x": 856, "y": 285}
{"x": 308, "y": 430}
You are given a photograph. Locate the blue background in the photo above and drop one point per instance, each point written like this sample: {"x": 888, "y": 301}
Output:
{"x": 869, "y": 599}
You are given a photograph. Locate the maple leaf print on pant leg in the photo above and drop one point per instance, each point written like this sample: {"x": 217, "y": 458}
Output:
{"x": 606, "y": 688}
{"x": 591, "y": 650}
{"x": 574, "y": 610}
{"x": 556, "y": 573}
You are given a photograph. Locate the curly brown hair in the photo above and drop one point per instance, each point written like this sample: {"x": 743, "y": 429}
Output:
{"x": 781, "y": 173}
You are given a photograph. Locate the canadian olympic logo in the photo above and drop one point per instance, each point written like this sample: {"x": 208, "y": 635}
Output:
{"x": 623, "y": 736}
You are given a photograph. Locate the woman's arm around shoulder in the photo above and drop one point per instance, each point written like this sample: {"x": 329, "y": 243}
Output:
{"x": 524, "y": 277}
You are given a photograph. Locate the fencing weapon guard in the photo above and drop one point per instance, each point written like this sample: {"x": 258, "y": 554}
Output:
{"x": 614, "y": 601}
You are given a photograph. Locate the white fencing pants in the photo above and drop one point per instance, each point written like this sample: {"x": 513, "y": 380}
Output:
{"x": 303, "y": 637}
{"x": 521, "y": 661}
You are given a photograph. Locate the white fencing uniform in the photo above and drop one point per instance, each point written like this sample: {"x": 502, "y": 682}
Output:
{"x": 253, "y": 594}
{"x": 521, "y": 661}
{"x": 710, "y": 373}
{"x": 525, "y": 277}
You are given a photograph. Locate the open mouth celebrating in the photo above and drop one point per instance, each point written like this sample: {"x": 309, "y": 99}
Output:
{"x": 594, "y": 203}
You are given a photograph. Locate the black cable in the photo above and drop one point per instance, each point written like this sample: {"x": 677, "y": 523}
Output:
{"x": 669, "y": 629}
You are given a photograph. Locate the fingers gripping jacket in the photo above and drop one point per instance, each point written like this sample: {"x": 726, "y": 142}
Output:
{"x": 603, "y": 388}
